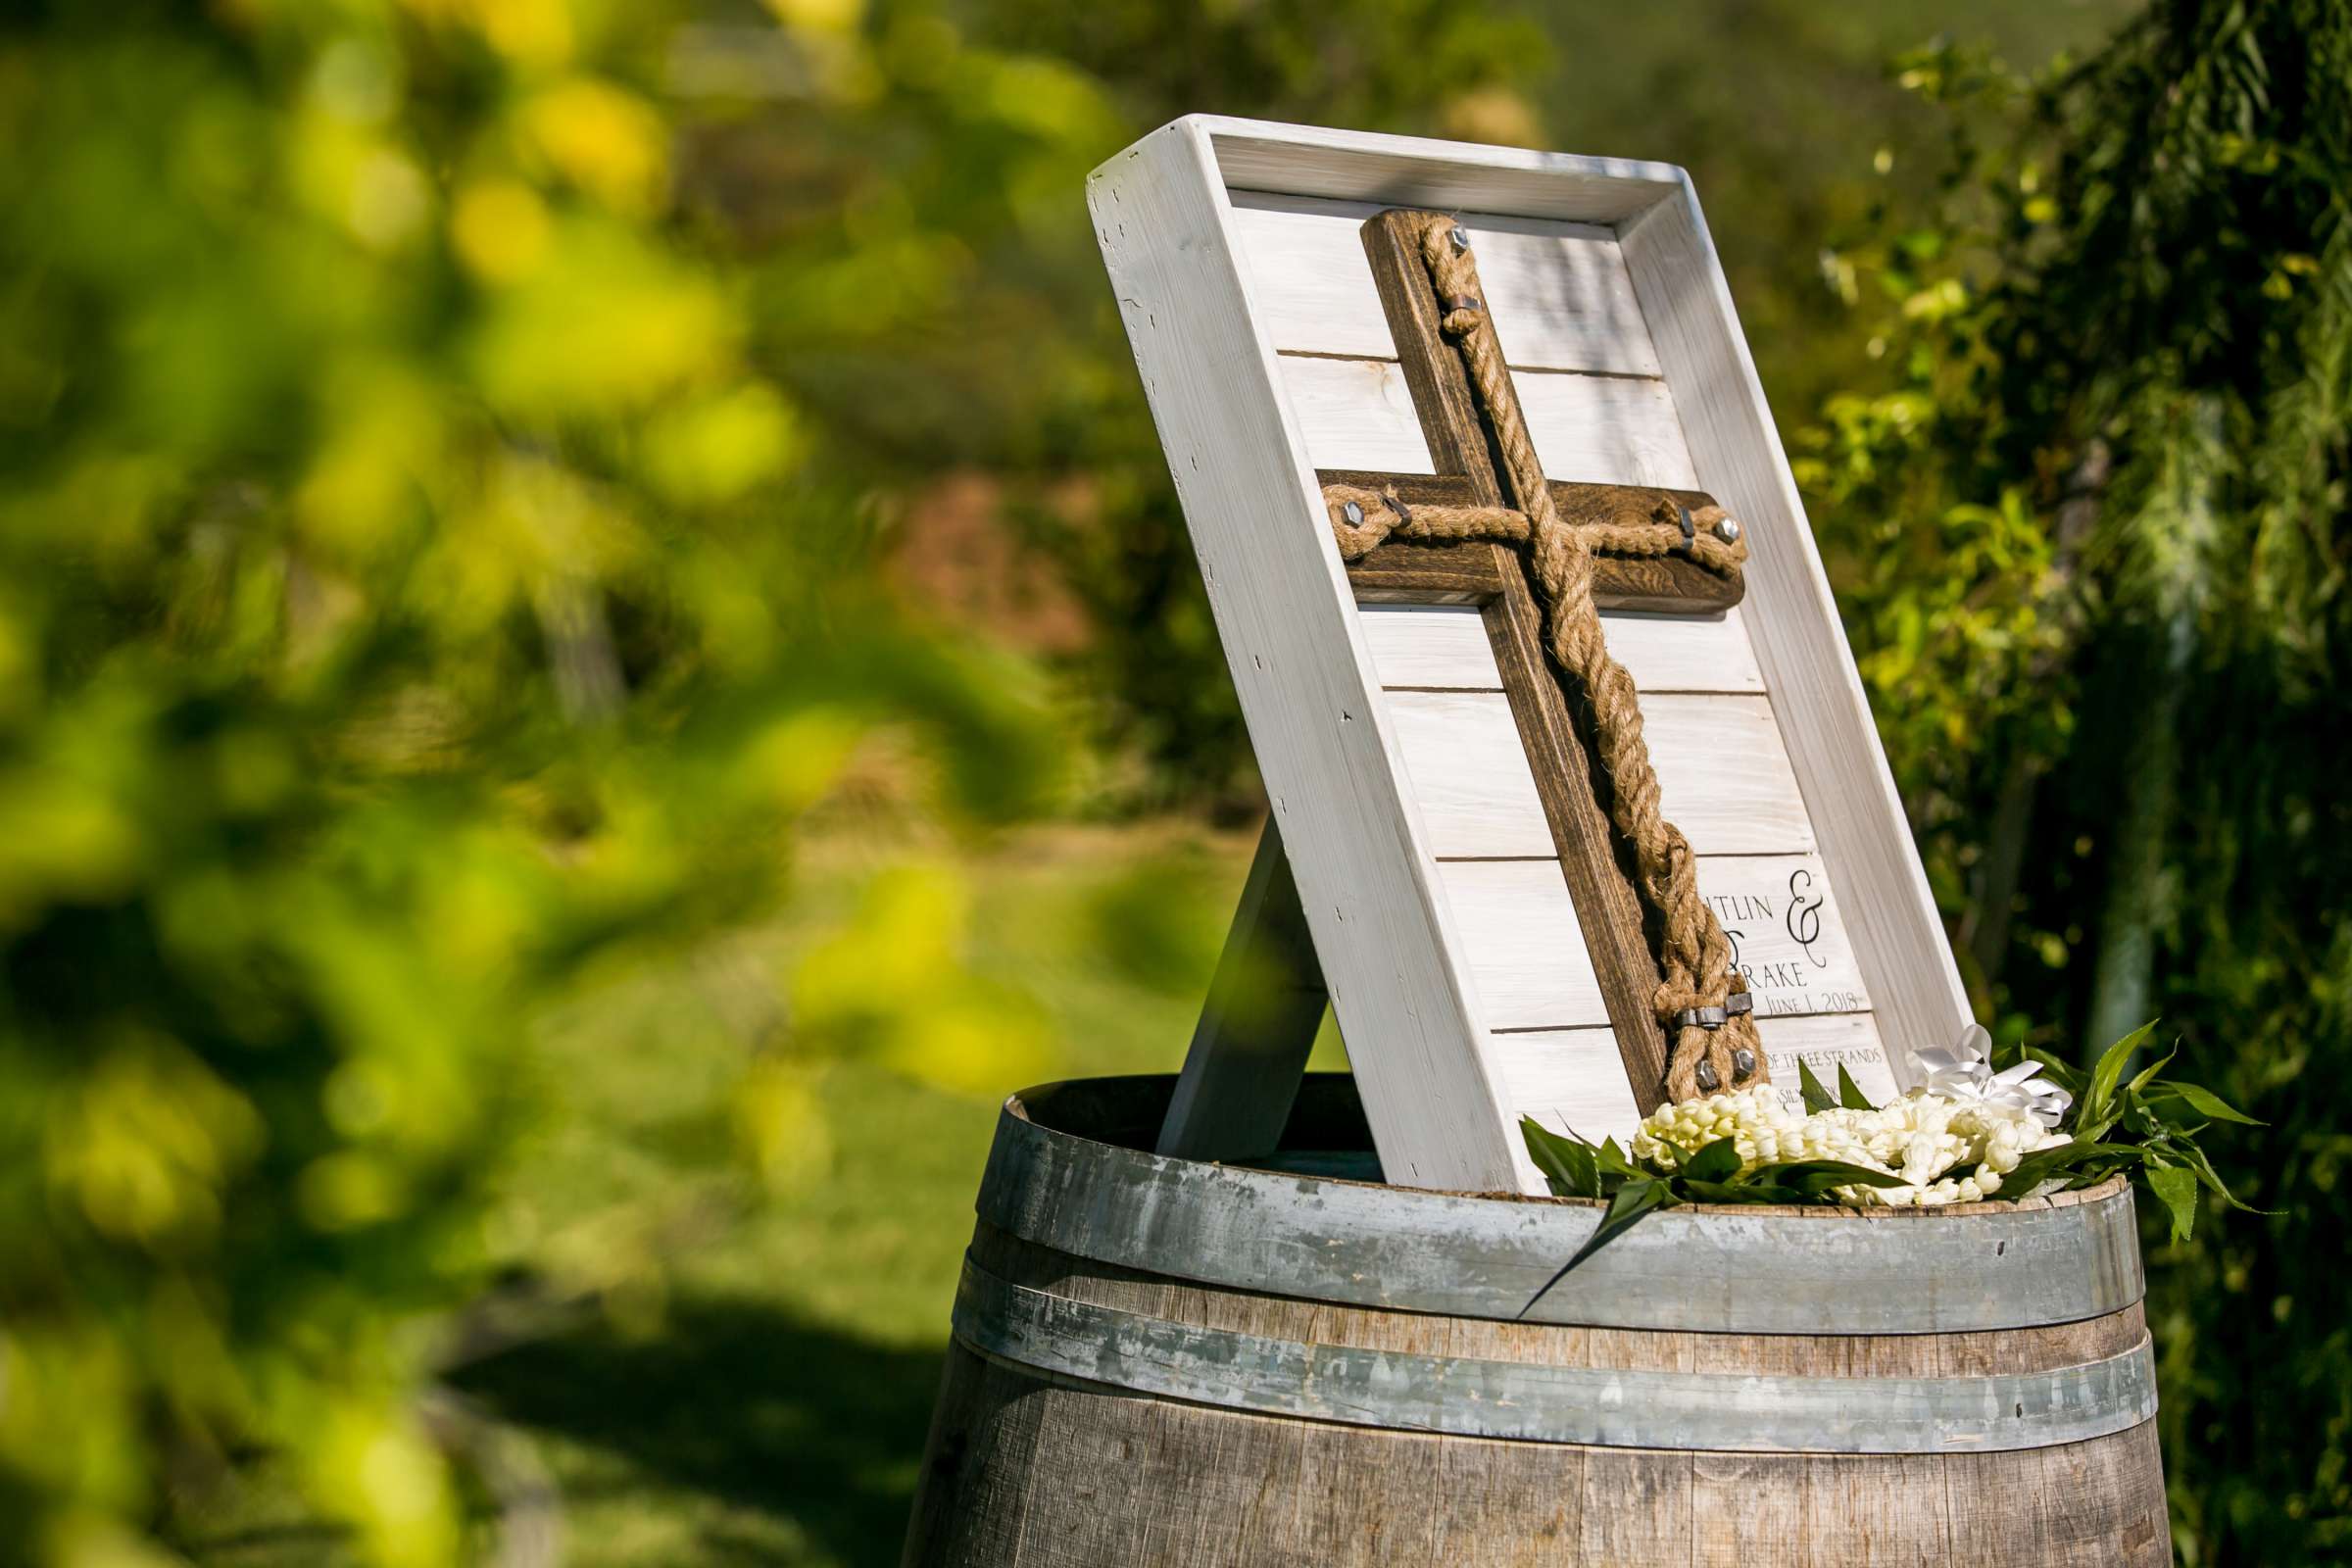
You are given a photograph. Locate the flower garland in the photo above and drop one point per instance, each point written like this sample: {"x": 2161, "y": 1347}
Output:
{"x": 1970, "y": 1131}
{"x": 1923, "y": 1138}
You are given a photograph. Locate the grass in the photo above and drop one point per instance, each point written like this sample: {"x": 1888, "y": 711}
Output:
{"x": 760, "y": 1387}
{"x": 776, "y": 1413}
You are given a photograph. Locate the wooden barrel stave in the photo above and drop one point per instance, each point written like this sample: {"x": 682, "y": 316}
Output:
{"x": 1035, "y": 1466}
{"x": 1034, "y": 1470}
{"x": 1981, "y": 1353}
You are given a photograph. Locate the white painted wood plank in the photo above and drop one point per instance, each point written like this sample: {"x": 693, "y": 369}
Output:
{"x": 1444, "y": 647}
{"x": 1417, "y": 171}
{"x": 1780, "y": 911}
{"x": 1309, "y": 275}
{"x": 1782, "y": 915}
{"x": 1469, "y": 774}
{"x": 1527, "y": 952}
{"x": 1356, "y": 413}
{"x": 1723, "y": 775}
{"x": 1684, "y": 653}
{"x": 1599, "y": 429}
{"x": 1723, "y": 778}
{"x": 1287, "y": 618}
{"x": 1826, "y": 1041}
{"x": 1605, "y": 429}
{"x": 1559, "y": 292}
{"x": 1447, "y": 647}
{"x": 1792, "y": 624}
{"x": 1566, "y": 1079}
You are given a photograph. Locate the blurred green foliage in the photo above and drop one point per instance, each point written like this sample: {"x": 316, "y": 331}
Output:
{"x": 446, "y": 448}
{"x": 2091, "y": 533}
{"x": 425, "y": 603}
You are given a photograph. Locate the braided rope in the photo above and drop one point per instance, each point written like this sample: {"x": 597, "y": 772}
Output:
{"x": 1383, "y": 514}
{"x": 1695, "y": 957}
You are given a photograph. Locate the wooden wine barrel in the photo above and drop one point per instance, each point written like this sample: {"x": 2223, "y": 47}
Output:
{"x": 1163, "y": 1361}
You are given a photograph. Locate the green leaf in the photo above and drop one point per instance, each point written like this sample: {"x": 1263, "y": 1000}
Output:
{"x": 1583, "y": 1170}
{"x": 1626, "y": 1206}
{"x": 1739, "y": 1192}
{"x": 2132, "y": 1115}
{"x": 1850, "y": 1092}
{"x": 1813, "y": 1177}
{"x": 2141, "y": 1080}
{"x": 2177, "y": 1185}
{"x": 1817, "y": 1094}
{"x": 1568, "y": 1164}
{"x": 1613, "y": 1162}
{"x": 1718, "y": 1162}
{"x": 2204, "y": 1101}
{"x": 2096, "y": 1097}
{"x": 2199, "y": 1163}
{"x": 2045, "y": 1163}
{"x": 1629, "y": 1202}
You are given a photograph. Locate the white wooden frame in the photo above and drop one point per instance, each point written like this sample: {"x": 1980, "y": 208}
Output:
{"x": 1170, "y": 213}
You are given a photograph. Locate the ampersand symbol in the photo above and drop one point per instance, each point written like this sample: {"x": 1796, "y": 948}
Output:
{"x": 1804, "y": 915}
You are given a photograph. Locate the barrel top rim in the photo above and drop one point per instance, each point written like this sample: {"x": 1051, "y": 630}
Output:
{"x": 1072, "y": 1169}
{"x": 1016, "y": 1106}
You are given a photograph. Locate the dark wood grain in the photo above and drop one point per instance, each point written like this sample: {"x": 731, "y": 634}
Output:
{"x": 1429, "y": 575}
{"x": 1574, "y": 791}
{"x": 1593, "y": 858}
{"x": 1670, "y": 586}
{"x": 1459, "y": 443}
{"x": 1029, "y": 1467}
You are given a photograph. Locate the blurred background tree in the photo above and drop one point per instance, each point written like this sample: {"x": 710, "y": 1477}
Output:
{"x": 546, "y": 541}
{"x": 425, "y": 610}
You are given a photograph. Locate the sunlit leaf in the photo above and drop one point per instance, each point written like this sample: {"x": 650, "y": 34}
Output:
{"x": 2203, "y": 1100}
{"x": 1817, "y": 1096}
{"x": 1568, "y": 1165}
{"x": 2177, "y": 1186}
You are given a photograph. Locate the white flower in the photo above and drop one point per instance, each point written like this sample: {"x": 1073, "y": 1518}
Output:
{"x": 1918, "y": 1160}
{"x": 1962, "y": 1071}
{"x": 1945, "y": 1148}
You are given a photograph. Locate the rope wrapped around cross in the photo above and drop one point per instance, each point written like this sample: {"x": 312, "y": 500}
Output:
{"x": 1703, "y": 1002}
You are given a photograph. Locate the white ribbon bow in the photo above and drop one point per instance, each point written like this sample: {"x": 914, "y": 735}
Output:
{"x": 1962, "y": 1070}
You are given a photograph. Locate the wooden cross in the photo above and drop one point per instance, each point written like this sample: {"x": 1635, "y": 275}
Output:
{"x": 1267, "y": 999}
